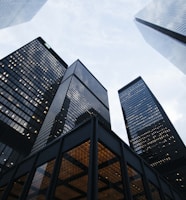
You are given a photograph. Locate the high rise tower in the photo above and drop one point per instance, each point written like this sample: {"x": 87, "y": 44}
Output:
{"x": 29, "y": 78}
{"x": 18, "y": 11}
{"x": 79, "y": 96}
{"x": 163, "y": 26}
{"x": 42, "y": 99}
{"x": 151, "y": 134}
{"x": 90, "y": 162}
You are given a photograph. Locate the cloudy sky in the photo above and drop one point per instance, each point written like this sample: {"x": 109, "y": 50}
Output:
{"x": 103, "y": 35}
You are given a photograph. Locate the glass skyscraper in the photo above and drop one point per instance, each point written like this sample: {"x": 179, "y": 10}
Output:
{"x": 79, "y": 96}
{"x": 90, "y": 162}
{"x": 18, "y": 11}
{"x": 163, "y": 26}
{"x": 41, "y": 99}
{"x": 29, "y": 78}
{"x": 151, "y": 134}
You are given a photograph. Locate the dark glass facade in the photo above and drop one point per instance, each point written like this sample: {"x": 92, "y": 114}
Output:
{"x": 163, "y": 25}
{"x": 90, "y": 162}
{"x": 80, "y": 96}
{"x": 42, "y": 99}
{"x": 56, "y": 135}
{"x": 151, "y": 134}
{"x": 29, "y": 78}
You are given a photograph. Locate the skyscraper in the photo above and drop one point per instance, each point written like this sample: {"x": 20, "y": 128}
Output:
{"x": 29, "y": 78}
{"x": 42, "y": 99}
{"x": 18, "y": 11}
{"x": 79, "y": 96}
{"x": 90, "y": 162}
{"x": 151, "y": 134}
{"x": 163, "y": 25}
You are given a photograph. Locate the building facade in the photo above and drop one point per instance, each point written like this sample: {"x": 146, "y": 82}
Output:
{"x": 79, "y": 96}
{"x": 151, "y": 134}
{"x": 90, "y": 162}
{"x": 56, "y": 140}
{"x": 18, "y": 11}
{"x": 163, "y": 26}
{"x": 29, "y": 79}
{"x": 42, "y": 98}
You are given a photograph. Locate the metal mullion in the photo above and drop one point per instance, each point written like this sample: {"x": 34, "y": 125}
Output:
{"x": 124, "y": 172}
{"x": 29, "y": 180}
{"x": 92, "y": 192}
{"x": 9, "y": 186}
{"x": 145, "y": 181}
{"x": 56, "y": 171}
{"x": 162, "y": 195}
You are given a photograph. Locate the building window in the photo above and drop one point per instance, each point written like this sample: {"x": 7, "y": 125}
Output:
{"x": 136, "y": 184}
{"x": 41, "y": 181}
{"x": 154, "y": 191}
{"x": 2, "y": 189}
{"x": 167, "y": 197}
{"x": 109, "y": 175}
{"x": 17, "y": 187}
{"x": 73, "y": 176}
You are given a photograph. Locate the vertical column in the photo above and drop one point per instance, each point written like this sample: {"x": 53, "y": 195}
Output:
{"x": 125, "y": 177}
{"x": 145, "y": 181}
{"x": 56, "y": 171}
{"x": 93, "y": 163}
{"x": 160, "y": 187}
{"x": 9, "y": 186}
{"x": 29, "y": 180}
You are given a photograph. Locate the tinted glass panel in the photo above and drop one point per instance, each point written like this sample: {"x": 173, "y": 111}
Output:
{"x": 17, "y": 187}
{"x": 2, "y": 189}
{"x": 79, "y": 105}
{"x": 154, "y": 192}
{"x": 73, "y": 177}
{"x": 167, "y": 197}
{"x": 41, "y": 181}
{"x": 109, "y": 175}
{"x": 91, "y": 82}
{"x": 136, "y": 184}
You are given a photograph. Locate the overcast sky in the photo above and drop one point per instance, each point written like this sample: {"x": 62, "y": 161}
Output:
{"x": 103, "y": 35}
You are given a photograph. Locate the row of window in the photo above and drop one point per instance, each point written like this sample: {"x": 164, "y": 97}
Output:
{"x": 72, "y": 177}
{"x": 22, "y": 93}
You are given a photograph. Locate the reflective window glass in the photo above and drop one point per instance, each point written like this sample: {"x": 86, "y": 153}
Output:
{"x": 2, "y": 189}
{"x": 78, "y": 106}
{"x": 29, "y": 80}
{"x": 73, "y": 177}
{"x": 109, "y": 175}
{"x": 154, "y": 192}
{"x": 83, "y": 102}
{"x": 17, "y": 187}
{"x": 91, "y": 82}
{"x": 167, "y": 197}
{"x": 41, "y": 181}
{"x": 136, "y": 184}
